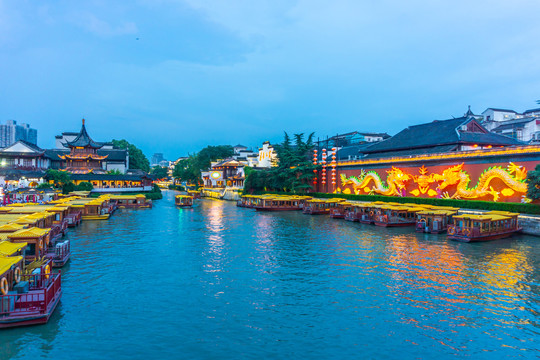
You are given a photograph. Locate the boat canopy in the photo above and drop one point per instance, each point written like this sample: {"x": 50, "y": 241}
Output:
{"x": 482, "y": 217}
{"x": 6, "y": 262}
{"x": 8, "y": 248}
{"x": 29, "y": 233}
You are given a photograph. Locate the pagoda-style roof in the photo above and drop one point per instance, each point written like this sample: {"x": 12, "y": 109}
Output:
{"x": 78, "y": 156}
{"x": 84, "y": 140}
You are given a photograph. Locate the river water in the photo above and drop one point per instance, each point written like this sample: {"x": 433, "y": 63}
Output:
{"x": 221, "y": 282}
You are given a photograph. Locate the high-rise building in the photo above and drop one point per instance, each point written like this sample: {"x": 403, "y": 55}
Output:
{"x": 157, "y": 158}
{"x": 11, "y": 132}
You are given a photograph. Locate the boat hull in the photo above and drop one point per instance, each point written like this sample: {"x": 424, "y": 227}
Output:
{"x": 483, "y": 238}
{"x": 261, "y": 208}
{"x": 385, "y": 224}
{"x": 30, "y": 319}
{"x": 96, "y": 217}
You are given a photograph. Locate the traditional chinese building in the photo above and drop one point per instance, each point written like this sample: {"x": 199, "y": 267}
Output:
{"x": 225, "y": 173}
{"x": 456, "y": 158}
{"x": 83, "y": 157}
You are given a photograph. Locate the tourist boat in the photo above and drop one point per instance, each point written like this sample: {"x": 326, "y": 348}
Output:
{"x": 278, "y": 204}
{"x": 59, "y": 252}
{"x": 434, "y": 221}
{"x": 37, "y": 240}
{"x": 131, "y": 201}
{"x": 341, "y": 210}
{"x": 246, "y": 201}
{"x": 487, "y": 226}
{"x": 183, "y": 201}
{"x": 196, "y": 194}
{"x": 392, "y": 216}
{"x": 368, "y": 212}
{"x": 27, "y": 299}
{"x": 320, "y": 206}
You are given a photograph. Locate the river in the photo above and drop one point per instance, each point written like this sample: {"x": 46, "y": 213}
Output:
{"x": 221, "y": 282}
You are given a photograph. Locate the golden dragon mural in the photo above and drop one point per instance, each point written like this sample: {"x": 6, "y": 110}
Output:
{"x": 395, "y": 182}
{"x": 512, "y": 177}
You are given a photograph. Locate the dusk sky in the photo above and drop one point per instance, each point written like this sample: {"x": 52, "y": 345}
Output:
{"x": 175, "y": 76}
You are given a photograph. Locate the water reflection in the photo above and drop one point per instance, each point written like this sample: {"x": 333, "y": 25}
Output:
{"x": 234, "y": 283}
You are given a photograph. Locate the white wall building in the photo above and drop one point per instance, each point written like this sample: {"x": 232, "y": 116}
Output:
{"x": 267, "y": 156}
{"x": 524, "y": 127}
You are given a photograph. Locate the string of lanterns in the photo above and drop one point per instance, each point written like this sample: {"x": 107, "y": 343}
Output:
{"x": 323, "y": 161}
{"x": 333, "y": 164}
{"x": 315, "y": 163}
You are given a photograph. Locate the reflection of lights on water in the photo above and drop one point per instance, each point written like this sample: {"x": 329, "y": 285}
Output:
{"x": 214, "y": 223}
{"x": 433, "y": 266}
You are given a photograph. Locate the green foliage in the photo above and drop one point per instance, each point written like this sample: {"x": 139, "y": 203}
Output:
{"x": 294, "y": 172}
{"x": 533, "y": 181}
{"x": 44, "y": 186}
{"x": 137, "y": 160}
{"x": 176, "y": 187}
{"x": 58, "y": 177}
{"x": 68, "y": 187}
{"x": 84, "y": 186}
{"x": 464, "y": 204}
{"x": 114, "y": 172}
{"x": 160, "y": 172}
{"x": 189, "y": 170}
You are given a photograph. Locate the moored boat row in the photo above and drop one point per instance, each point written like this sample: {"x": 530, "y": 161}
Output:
{"x": 425, "y": 218}
{"x": 31, "y": 245}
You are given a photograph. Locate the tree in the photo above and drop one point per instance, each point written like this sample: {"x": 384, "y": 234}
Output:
{"x": 114, "y": 172}
{"x": 533, "y": 181}
{"x": 189, "y": 169}
{"x": 160, "y": 172}
{"x": 84, "y": 186}
{"x": 58, "y": 177}
{"x": 137, "y": 159}
{"x": 294, "y": 171}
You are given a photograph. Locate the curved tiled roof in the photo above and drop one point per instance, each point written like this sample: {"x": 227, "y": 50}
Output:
{"x": 84, "y": 140}
{"x": 436, "y": 134}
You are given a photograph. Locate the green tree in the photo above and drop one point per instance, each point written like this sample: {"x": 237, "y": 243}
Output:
{"x": 294, "y": 171}
{"x": 533, "y": 181}
{"x": 84, "y": 186}
{"x": 114, "y": 172}
{"x": 58, "y": 177}
{"x": 189, "y": 169}
{"x": 137, "y": 159}
{"x": 160, "y": 172}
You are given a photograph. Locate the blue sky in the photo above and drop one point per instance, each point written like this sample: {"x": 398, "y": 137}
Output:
{"x": 173, "y": 76}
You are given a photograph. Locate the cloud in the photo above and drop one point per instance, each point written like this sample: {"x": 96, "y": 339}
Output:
{"x": 94, "y": 25}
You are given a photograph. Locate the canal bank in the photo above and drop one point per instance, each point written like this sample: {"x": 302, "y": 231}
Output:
{"x": 217, "y": 281}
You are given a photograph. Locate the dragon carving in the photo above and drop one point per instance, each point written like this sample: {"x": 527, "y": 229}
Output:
{"x": 513, "y": 177}
{"x": 396, "y": 182}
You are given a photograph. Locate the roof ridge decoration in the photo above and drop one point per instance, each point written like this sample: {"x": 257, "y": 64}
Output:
{"x": 84, "y": 140}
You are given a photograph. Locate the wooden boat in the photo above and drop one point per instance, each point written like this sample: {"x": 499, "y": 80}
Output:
{"x": 138, "y": 201}
{"x": 341, "y": 210}
{"x": 434, "y": 221}
{"x": 278, "y": 204}
{"x": 392, "y": 216}
{"x": 488, "y": 226}
{"x": 196, "y": 194}
{"x": 59, "y": 253}
{"x": 320, "y": 206}
{"x": 183, "y": 201}
{"x": 368, "y": 212}
{"x": 246, "y": 201}
{"x": 27, "y": 299}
